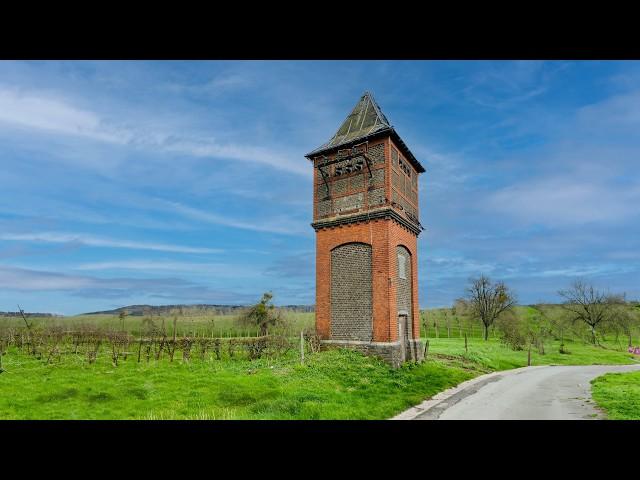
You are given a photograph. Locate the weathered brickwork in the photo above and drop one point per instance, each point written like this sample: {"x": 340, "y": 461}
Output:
{"x": 348, "y": 184}
{"x": 351, "y": 292}
{"x": 384, "y": 235}
{"x": 377, "y": 197}
{"x": 322, "y": 192}
{"x": 340, "y": 186}
{"x": 389, "y": 352}
{"x": 350, "y": 202}
{"x": 377, "y": 177}
{"x": 404, "y": 184}
{"x": 376, "y": 153}
{"x": 362, "y": 240}
{"x": 394, "y": 157}
{"x": 403, "y": 296}
{"x": 323, "y": 208}
{"x": 357, "y": 182}
{"x": 397, "y": 180}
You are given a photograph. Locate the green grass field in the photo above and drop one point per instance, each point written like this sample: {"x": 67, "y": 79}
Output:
{"x": 618, "y": 394}
{"x": 330, "y": 385}
{"x": 189, "y": 324}
{"x": 492, "y": 355}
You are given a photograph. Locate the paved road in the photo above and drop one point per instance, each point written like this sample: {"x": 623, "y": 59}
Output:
{"x": 535, "y": 393}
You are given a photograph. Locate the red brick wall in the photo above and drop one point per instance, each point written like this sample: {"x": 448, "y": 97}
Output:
{"x": 383, "y": 235}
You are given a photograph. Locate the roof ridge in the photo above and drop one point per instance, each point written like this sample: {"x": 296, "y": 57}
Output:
{"x": 365, "y": 118}
{"x": 361, "y": 123}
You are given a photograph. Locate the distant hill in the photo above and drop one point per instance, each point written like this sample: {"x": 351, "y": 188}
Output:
{"x": 27, "y": 314}
{"x": 139, "y": 310}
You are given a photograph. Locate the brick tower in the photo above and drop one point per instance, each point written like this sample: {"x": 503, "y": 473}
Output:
{"x": 366, "y": 222}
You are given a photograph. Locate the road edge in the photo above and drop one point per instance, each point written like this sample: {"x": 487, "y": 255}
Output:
{"x": 417, "y": 410}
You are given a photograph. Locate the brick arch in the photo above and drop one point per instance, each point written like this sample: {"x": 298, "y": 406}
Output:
{"x": 404, "y": 289}
{"x": 406, "y": 247}
{"x": 352, "y": 292}
{"x": 350, "y": 243}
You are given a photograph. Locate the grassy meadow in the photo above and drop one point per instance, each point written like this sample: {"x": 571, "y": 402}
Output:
{"x": 336, "y": 384}
{"x": 618, "y": 394}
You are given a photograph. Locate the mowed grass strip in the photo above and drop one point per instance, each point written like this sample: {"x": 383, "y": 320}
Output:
{"x": 337, "y": 384}
{"x": 618, "y": 394}
{"x": 492, "y": 355}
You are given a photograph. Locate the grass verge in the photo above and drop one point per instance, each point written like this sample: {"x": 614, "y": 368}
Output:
{"x": 618, "y": 394}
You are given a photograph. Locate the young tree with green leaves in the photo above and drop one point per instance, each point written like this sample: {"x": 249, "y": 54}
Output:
{"x": 262, "y": 315}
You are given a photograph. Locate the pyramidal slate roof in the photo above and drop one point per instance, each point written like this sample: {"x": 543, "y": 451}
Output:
{"x": 365, "y": 121}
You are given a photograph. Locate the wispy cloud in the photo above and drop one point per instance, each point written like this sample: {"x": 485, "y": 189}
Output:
{"x": 19, "y": 279}
{"x": 566, "y": 200}
{"x": 38, "y": 111}
{"x": 218, "y": 85}
{"x": 217, "y": 270}
{"x": 95, "y": 241}
{"x": 44, "y": 112}
{"x": 282, "y": 224}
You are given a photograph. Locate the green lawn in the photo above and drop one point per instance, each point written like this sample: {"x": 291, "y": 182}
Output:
{"x": 618, "y": 394}
{"x": 330, "y": 385}
{"x": 491, "y": 355}
{"x": 337, "y": 384}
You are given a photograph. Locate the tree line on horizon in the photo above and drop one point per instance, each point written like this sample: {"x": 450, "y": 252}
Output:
{"x": 586, "y": 310}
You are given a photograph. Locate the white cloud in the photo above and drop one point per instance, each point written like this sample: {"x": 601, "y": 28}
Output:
{"x": 20, "y": 279}
{"x": 281, "y": 225}
{"x": 221, "y": 270}
{"x": 33, "y": 110}
{"x": 44, "y": 112}
{"x": 94, "y": 241}
{"x": 244, "y": 153}
{"x": 566, "y": 201}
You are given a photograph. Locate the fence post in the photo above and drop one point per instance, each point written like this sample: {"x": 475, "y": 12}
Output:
{"x": 465, "y": 343}
{"x": 301, "y": 347}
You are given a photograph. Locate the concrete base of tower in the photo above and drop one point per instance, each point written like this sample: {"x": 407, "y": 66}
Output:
{"x": 393, "y": 353}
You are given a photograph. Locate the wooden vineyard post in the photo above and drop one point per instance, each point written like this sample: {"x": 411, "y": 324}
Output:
{"x": 301, "y": 348}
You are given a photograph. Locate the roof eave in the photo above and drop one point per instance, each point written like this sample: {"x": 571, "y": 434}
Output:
{"x": 389, "y": 130}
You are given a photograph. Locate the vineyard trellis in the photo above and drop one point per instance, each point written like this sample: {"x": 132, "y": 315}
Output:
{"x": 52, "y": 344}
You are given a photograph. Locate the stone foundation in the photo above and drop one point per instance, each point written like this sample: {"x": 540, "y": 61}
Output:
{"x": 390, "y": 352}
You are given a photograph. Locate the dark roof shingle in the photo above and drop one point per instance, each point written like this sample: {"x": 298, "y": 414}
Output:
{"x": 365, "y": 120}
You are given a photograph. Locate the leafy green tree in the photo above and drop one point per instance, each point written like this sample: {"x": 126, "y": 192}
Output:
{"x": 262, "y": 315}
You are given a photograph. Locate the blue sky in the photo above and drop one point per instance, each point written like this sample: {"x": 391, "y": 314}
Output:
{"x": 186, "y": 182}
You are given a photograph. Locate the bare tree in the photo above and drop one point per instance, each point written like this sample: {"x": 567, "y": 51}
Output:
{"x": 625, "y": 317}
{"x": 487, "y": 301}
{"x": 587, "y": 304}
{"x": 558, "y": 320}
